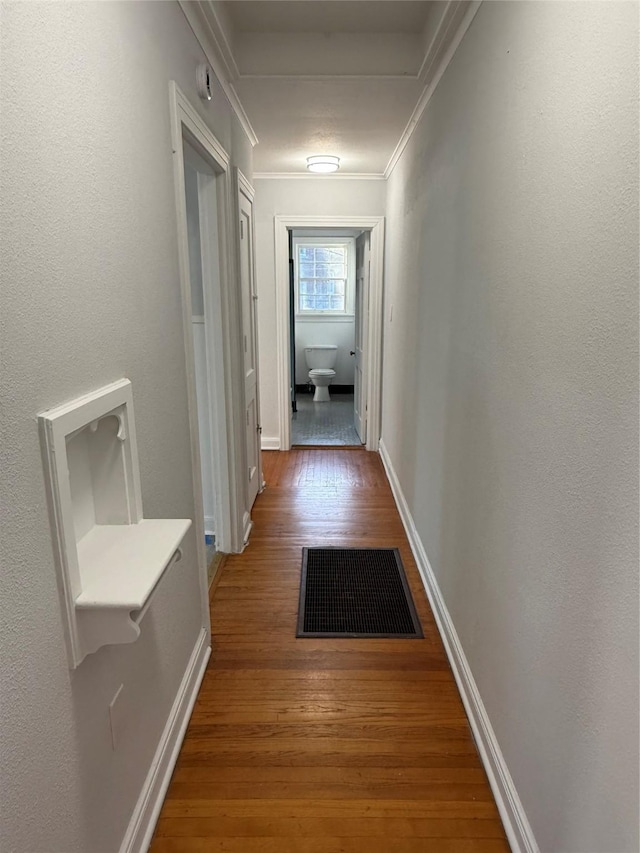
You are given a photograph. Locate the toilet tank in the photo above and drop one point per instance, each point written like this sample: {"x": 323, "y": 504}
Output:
{"x": 321, "y": 355}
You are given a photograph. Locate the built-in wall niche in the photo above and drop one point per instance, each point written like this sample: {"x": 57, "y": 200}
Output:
{"x": 109, "y": 557}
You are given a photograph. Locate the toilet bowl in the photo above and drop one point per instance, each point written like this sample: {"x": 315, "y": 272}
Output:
{"x": 321, "y": 359}
{"x": 322, "y": 377}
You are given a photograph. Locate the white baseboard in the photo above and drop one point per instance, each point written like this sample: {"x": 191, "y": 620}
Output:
{"x": 145, "y": 815}
{"x": 270, "y": 443}
{"x": 516, "y": 825}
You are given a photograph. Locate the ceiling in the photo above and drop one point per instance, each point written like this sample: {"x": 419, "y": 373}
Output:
{"x": 342, "y": 77}
{"x": 327, "y": 16}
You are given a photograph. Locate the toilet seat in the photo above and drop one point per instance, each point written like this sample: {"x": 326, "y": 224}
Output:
{"x": 322, "y": 371}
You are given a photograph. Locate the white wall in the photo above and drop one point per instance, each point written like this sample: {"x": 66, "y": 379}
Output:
{"x": 90, "y": 294}
{"x": 512, "y": 269}
{"x": 325, "y": 196}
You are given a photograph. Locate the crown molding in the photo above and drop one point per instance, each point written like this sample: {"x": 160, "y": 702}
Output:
{"x": 328, "y": 77}
{"x": 456, "y": 20}
{"x": 219, "y": 32}
{"x": 216, "y": 48}
{"x": 448, "y": 10}
{"x": 308, "y": 176}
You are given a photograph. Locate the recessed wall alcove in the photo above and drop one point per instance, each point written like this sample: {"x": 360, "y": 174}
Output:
{"x": 109, "y": 557}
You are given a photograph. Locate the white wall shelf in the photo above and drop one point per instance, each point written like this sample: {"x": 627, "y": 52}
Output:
{"x": 110, "y": 559}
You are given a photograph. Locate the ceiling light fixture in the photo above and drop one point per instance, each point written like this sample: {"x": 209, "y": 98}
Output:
{"x": 323, "y": 163}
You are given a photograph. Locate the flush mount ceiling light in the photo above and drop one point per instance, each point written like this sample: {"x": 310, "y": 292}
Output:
{"x": 323, "y": 163}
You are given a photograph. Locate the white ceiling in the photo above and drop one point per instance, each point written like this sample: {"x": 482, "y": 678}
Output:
{"x": 358, "y": 120}
{"x": 327, "y": 16}
{"x": 336, "y": 77}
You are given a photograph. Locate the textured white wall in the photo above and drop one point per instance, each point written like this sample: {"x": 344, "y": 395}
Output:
{"x": 295, "y": 197}
{"x": 90, "y": 293}
{"x": 510, "y": 393}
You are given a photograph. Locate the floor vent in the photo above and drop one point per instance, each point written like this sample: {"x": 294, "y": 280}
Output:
{"x": 355, "y": 592}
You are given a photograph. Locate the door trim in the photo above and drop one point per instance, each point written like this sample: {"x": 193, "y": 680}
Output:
{"x": 244, "y": 187}
{"x": 374, "y": 224}
{"x": 361, "y": 326}
{"x": 187, "y": 123}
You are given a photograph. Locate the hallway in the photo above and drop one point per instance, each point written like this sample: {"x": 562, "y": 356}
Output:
{"x": 323, "y": 746}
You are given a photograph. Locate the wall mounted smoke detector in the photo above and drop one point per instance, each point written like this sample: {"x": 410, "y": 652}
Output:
{"x": 204, "y": 81}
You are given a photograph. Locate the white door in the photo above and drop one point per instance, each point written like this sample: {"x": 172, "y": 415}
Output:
{"x": 362, "y": 319}
{"x": 249, "y": 337}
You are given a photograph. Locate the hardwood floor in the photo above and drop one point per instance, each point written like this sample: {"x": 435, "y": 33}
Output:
{"x": 323, "y": 746}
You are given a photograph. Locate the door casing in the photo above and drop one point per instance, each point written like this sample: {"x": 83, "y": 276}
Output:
{"x": 361, "y": 323}
{"x": 246, "y": 242}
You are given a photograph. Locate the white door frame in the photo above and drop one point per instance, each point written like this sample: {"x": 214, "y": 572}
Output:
{"x": 373, "y": 333}
{"x": 362, "y": 313}
{"x": 245, "y": 188}
{"x": 222, "y": 309}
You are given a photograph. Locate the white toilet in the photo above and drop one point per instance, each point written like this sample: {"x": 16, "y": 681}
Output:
{"x": 321, "y": 358}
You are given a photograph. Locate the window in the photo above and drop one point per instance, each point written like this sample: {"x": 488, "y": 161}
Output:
{"x": 324, "y": 274}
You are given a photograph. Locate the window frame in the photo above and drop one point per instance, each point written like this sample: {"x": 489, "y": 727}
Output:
{"x": 328, "y": 313}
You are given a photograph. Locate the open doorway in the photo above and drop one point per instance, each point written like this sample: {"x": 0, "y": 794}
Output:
{"x": 201, "y": 205}
{"x": 357, "y": 368}
{"x": 212, "y": 327}
{"x": 329, "y": 298}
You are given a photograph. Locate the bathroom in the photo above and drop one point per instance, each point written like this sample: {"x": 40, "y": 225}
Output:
{"x": 324, "y": 331}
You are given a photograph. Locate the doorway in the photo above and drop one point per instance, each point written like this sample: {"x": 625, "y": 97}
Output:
{"x": 359, "y": 378}
{"x": 328, "y": 295}
{"x": 212, "y": 324}
{"x": 204, "y": 275}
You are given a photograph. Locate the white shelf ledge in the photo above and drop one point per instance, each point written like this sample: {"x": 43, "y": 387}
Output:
{"x": 109, "y": 558}
{"x": 121, "y": 564}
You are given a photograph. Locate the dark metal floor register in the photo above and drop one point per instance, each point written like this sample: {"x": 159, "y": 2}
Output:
{"x": 355, "y": 592}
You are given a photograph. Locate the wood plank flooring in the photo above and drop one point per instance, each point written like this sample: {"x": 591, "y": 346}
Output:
{"x": 323, "y": 746}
